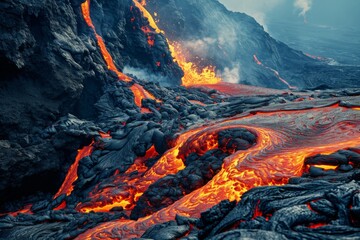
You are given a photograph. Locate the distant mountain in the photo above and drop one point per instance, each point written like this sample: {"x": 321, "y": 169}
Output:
{"x": 339, "y": 45}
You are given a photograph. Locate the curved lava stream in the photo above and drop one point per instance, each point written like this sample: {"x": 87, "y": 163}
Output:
{"x": 284, "y": 140}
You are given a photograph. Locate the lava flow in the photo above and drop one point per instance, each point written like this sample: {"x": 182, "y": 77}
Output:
{"x": 24, "y": 210}
{"x": 67, "y": 186}
{"x": 233, "y": 89}
{"x": 126, "y": 196}
{"x": 315, "y": 57}
{"x": 276, "y": 73}
{"x": 131, "y": 186}
{"x": 284, "y": 140}
{"x": 85, "y": 7}
{"x": 207, "y": 160}
{"x": 138, "y": 91}
{"x": 192, "y": 74}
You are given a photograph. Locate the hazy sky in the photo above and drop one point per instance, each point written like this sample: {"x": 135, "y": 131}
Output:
{"x": 335, "y": 13}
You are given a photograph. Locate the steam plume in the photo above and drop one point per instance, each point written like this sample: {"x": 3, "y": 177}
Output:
{"x": 146, "y": 75}
{"x": 304, "y": 6}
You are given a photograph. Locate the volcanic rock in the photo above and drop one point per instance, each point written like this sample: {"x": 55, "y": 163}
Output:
{"x": 51, "y": 65}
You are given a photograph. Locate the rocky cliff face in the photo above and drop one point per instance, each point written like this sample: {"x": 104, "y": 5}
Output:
{"x": 50, "y": 66}
{"x": 229, "y": 41}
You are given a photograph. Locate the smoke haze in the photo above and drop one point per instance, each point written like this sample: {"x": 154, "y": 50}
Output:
{"x": 304, "y": 6}
{"x": 331, "y": 29}
{"x": 257, "y": 9}
{"x": 143, "y": 74}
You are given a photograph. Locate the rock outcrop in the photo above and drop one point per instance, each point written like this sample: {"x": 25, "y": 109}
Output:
{"x": 51, "y": 66}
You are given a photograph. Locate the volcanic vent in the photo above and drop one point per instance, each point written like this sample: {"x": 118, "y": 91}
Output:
{"x": 188, "y": 162}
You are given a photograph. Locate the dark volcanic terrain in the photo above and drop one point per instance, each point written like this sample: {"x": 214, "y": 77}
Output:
{"x": 87, "y": 152}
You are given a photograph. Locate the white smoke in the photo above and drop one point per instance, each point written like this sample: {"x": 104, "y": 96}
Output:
{"x": 145, "y": 75}
{"x": 199, "y": 46}
{"x": 304, "y": 6}
{"x": 231, "y": 75}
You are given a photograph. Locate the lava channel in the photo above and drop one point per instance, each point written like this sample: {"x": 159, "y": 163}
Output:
{"x": 138, "y": 91}
{"x": 284, "y": 140}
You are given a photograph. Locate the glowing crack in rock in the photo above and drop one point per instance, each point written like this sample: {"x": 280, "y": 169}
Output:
{"x": 276, "y": 73}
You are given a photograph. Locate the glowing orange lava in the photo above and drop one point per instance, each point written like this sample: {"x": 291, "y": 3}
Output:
{"x": 147, "y": 15}
{"x": 131, "y": 186}
{"x": 317, "y": 225}
{"x": 138, "y": 91}
{"x": 126, "y": 197}
{"x": 105, "y": 135}
{"x": 67, "y": 186}
{"x": 284, "y": 140}
{"x": 85, "y": 7}
{"x": 276, "y": 73}
{"x": 326, "y": 167}
{"x": 257, "y": 211}
{"x": 192, "y": 74}
{"x": 61, "y": 206}
{"x": 24, "y": 210}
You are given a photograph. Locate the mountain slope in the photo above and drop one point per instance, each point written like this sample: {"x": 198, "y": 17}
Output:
{"x": 50, "y": 66}
{"x": 206, "y": 30}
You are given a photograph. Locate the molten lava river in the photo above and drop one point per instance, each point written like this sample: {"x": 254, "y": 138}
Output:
{"x": 284, "y": 139}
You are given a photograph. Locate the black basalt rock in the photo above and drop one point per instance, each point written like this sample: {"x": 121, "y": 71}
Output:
{"x": 51, "y": 65}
